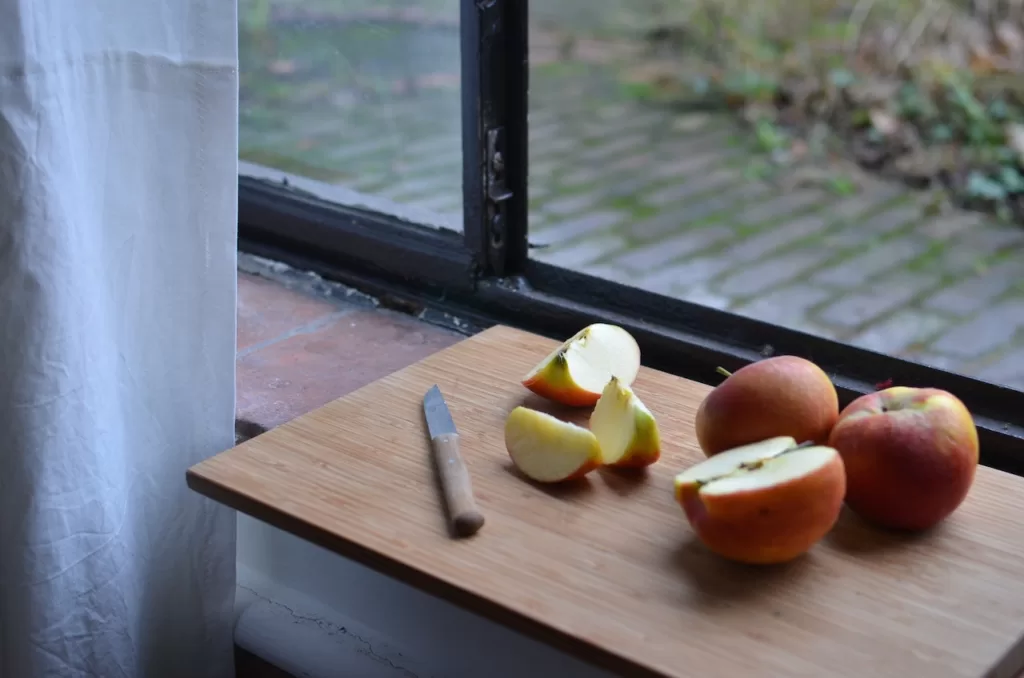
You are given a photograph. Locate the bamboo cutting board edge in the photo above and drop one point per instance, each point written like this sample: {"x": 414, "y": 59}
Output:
{"x": 436, "y": 586}
{"x": 220, "y": 482}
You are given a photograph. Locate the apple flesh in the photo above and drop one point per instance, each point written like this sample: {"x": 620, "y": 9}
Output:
{"x": 763, "y": 503}
{"x": 910, "y": 456}
{"x": 626, "y": 430}
{"x": 781, "y": 396}
{"x": 547, "y": 449}
{"x": 576, "y": 372}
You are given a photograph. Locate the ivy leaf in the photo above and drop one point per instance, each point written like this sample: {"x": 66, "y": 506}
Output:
{"x": 999, "y": 110}
{"x": 841, "y": 78}
{"x": 941, "y": 133}
{"x": 1006, "y": 155}
{"x": 1010, "y": 177}
{"x": 980, "y": 186}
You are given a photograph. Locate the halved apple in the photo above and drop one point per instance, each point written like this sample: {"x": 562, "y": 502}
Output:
{"x": 763, "y": 503}
{"x": 547, "y": 449}
{"x": 626, "y": 430}
{"x": 576, "y": 372}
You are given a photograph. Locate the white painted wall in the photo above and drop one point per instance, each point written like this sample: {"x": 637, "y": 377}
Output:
{"x": 318, "y": 615}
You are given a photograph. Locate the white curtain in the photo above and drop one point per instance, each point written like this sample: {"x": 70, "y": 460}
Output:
{"x": 118, "y": 143}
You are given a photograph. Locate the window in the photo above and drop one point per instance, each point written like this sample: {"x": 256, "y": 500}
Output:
{"x": 360, "y": 95}
{"x": 640, "y": 173}
{"x": 388, "y": 145}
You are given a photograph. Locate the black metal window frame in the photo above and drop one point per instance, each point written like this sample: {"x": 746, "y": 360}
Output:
{"x": 486, "y": 276}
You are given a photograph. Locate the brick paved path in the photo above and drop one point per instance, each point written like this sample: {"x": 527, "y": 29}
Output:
{"x": 662, "y": 201}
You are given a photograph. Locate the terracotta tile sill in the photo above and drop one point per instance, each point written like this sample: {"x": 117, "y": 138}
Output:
{"x": 299, "y": 348}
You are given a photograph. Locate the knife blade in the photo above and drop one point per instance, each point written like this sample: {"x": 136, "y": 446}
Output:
{"x": 464, "y": 516}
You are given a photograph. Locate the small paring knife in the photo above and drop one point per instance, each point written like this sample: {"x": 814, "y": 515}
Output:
{"x": 463, "y": 514}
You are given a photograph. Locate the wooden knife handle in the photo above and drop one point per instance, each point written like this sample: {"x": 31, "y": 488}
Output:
{"x": 465, "y": 517}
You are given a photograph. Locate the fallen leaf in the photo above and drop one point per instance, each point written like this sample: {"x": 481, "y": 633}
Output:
{"x": 983, "y": 62}
{"x": 884, "y": 122}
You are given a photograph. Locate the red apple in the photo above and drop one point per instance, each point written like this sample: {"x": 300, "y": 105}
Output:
{"x": 781, "y": 396}
{"x": 910, "y": 455}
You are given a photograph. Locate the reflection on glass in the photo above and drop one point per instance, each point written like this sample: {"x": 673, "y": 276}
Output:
{"x": 766, "y": 159}
{"x": 359, "y": 93}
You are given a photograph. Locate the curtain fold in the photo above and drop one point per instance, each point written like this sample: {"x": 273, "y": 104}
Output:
{"x": 118, "y": 204}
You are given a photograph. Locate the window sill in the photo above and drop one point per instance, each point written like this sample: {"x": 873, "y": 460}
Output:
{"x": 303, "y": 342}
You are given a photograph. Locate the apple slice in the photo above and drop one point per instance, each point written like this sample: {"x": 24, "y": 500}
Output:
{"x": 625, "y": 428}
{"x": 766, "y": 502}
{"x": 547, "y": 449}
{"x": 576, "y": 372}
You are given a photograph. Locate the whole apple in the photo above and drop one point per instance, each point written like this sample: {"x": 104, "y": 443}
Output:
{"x": 910, "y": 455}
{"x": 780, "y": 396}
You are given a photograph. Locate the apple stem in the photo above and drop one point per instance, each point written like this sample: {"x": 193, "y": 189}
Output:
{"x": 724, "y": 372}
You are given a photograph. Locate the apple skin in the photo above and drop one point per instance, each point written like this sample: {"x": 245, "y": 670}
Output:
{"x": 646, "y": 448}
{"x": 555, "y": 383}
{"x": 780, "y": 396}
{"x": 582, "y": 471}
{"x": 910, "y": 454}
{"x": 768, "y": 526}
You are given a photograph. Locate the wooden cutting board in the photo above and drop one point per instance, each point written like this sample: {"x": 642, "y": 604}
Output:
{"x": 608, "y": 569}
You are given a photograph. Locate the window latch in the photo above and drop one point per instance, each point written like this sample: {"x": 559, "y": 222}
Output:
{"x": 497, "y": 193}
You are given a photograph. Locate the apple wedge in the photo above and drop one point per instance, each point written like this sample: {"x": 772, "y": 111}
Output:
{"x": 547, "y": 449}
{"x": 626, "y": 430}
{"x": 576, "y": 372}
{"x": 763, "y": 503}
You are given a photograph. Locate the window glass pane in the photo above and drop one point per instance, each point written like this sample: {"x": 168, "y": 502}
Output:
{"x": 767, "y": 159}
{"x": 359, "y": 94}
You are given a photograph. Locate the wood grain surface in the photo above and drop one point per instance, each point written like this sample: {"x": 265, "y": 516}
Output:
{"x": 608, "y": 568}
